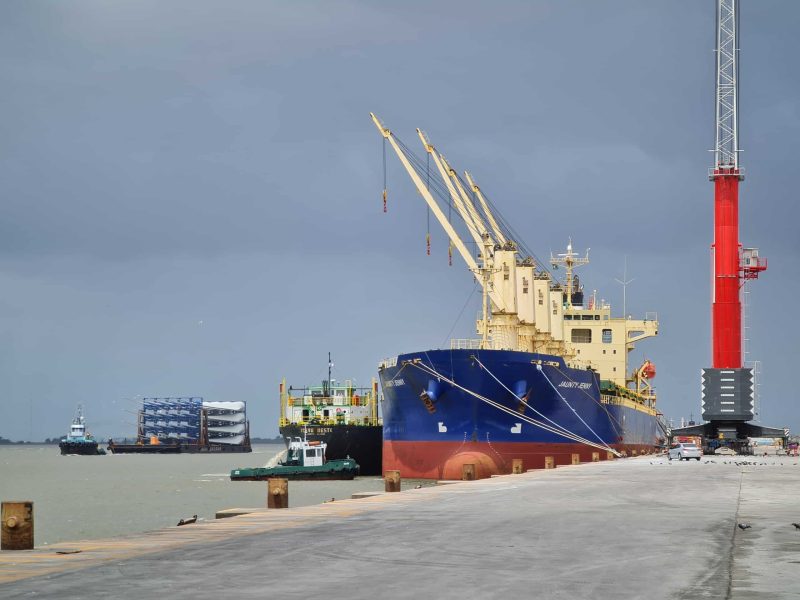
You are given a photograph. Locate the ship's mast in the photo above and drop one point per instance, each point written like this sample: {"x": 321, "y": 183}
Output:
{"x": 570, "y": 260}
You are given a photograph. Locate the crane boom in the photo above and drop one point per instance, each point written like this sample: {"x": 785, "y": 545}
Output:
{"x": 476, "y": 218}
{"x": 485, "y": 205}
{"x": 437, "y": 211}
{"x": 462, "y": 210}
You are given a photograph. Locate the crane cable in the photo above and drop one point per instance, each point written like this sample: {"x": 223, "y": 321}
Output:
{"x": 531, "y": 421}
{"x": 384, "y": 174}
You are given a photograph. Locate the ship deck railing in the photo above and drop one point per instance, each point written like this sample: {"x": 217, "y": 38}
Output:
{"x": 465, "y": 344}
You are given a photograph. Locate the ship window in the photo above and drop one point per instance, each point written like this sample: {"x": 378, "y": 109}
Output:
{"x": 587, "y": 317}
{"x": 305, "y": 413}
{"x": 604, "y": 351}
{"x": 606, "y": 337}
{"x": 568, "y": 317}
{"x": 582, "y": 336}
{"x": 597, "y": 317}
{"x": 310, "y": 453}
{"x": 505, "y": 272}
{"x": 615, "y": 351}
{"x": 326, "y": 413}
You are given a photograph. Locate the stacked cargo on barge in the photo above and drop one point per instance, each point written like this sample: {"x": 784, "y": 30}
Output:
{"x": 342, "y": 416}
{"x": 188, "y": 424}
{"x": 548, "y": 375}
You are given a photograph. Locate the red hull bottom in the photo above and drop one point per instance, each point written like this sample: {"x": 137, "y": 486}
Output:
{"x": 444, "y": 460}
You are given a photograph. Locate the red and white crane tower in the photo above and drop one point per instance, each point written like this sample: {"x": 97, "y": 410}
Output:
{"x": 732, "y": 263}
{"x": 728, "y": 386}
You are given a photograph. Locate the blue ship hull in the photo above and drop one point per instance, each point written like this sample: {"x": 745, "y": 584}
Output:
{"x": 434, "y": 420}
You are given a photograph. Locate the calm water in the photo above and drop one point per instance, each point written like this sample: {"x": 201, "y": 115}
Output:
{"x": 85, "y": 497}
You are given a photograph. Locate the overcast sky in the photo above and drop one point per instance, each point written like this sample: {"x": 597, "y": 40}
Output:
{"x": 191, "y": 190}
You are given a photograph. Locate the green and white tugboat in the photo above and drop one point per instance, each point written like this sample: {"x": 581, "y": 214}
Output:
{"x": 304, "y": 461}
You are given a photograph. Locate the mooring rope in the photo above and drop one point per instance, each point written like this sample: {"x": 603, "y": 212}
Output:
{"x": 563, "y": 433}
{"x": 522, "y": 400}
{"x": 555, "y": 389}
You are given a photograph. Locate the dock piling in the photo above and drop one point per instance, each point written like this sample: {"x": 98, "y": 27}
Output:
{"x": 549, "y": 462}
{"x": 277, "y": 493}
{"x": 595, "y": 457}
{"x": 516, "y": 466}
{"x": 392, "y": 481}
{"x": 16, "y": 532}
{"x": 576, "y": 459}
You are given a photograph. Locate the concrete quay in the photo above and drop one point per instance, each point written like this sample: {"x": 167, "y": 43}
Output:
{"x": 632, "y": 528}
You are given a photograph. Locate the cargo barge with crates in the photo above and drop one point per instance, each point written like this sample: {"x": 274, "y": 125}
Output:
{"x": 188, "y": 425}
{"x": 342, "y": 416}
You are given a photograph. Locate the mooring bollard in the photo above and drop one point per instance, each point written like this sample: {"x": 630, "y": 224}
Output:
{"x": 576, "y": 459}
{"x": 610, "y": 456}
{"x": 468, "y": 472}
{"x": 277, "y": 493}
{"x": 595, "y": 457}
{"x": 549, "y": 462}
{"x": 516, "y": 466}
{"x": 392, "y": 481}
{"x": 16, "y": 532}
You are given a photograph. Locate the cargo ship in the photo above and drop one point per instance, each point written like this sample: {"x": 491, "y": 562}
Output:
{"x": 547, "y": 376}
{"x": 188, "y": 425}
{"x": 342, "y": 416}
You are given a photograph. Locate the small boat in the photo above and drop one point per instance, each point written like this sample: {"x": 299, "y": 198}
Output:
{"x": 79, "y": 441}
{"x": 304, "y": 461}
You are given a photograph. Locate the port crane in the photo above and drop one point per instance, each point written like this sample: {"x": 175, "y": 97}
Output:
{"x": 727, "y": 392}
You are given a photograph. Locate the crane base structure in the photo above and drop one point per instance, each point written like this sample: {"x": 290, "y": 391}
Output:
{"x": 732, "y": 434}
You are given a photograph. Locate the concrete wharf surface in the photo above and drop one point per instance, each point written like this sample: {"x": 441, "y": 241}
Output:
{"x": 631, "y": 528}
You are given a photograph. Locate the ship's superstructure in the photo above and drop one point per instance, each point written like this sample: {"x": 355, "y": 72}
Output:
{"x": 548, "y": 372}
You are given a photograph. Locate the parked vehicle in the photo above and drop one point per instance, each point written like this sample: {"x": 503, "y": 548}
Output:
{"x": 684, "y": 451}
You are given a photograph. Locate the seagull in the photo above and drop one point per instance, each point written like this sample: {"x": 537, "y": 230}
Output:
{"x": 796, "y": 525}
{"x": 187, "y": 521}
{"x": 744, "y": 526}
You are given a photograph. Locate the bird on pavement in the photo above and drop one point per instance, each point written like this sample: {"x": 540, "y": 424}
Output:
{"x": 796, "y": 525}
{"x": 744, "y": 526}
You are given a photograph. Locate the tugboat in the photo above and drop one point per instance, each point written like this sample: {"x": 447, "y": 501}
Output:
{"x": 78, "y": 441}
{"x": 304, "y": 461}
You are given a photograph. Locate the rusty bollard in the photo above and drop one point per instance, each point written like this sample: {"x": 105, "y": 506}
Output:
{"x": 16, "y": 532}
{"x": 392, "y": 481}
{"x": 576, "y": 459}
{"x": 595, "y": 457}
{"x": 516, "y": 466}
{"x": 277, "y": 493}
{"x": 549, "y": 462}
{"x": 468, "y": 472}
{"x": 610, "y": 456}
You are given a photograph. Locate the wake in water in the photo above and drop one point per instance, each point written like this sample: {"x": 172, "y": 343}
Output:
{"x": 273, "y": 462}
